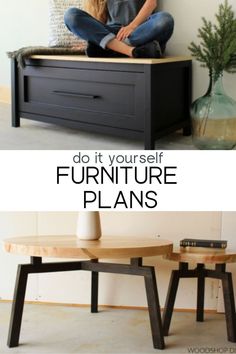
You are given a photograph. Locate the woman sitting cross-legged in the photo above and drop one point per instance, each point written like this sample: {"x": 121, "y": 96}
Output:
{"x": 132, "y": 28}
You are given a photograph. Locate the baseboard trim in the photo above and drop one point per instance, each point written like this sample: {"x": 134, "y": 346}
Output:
{"x": 5, "y": 94}
{"x": 103, "y": 306}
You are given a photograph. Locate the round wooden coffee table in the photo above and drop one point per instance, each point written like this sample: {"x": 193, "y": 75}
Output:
{"x": 201, "y": 258}
{"x": 88, "y": 253}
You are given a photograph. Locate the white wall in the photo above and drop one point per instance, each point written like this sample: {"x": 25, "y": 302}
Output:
{"x": 22, "y": 23}
{"x": 188, "y": 18}
{"x": 74, "y": 287}
{"x": 228, "y": 232}
{"x": 25, "y": 22}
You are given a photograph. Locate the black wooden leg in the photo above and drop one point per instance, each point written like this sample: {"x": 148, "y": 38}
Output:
{"x": 200, "y": 293}
{"x": 154, "y": 309}
{"x": 14, "y": 94}
{"x": 135, "y": 268}
{"x": 230, "y": 314}
{"x": 17, "y": 307}
{"x": 149, "y": 143}
{"x": 149, "y": 129}
{"x": 187, "y": 131}
{"x": 15, "y": 122}
{"x": 170, "y": 301}
{"x": 94, "y": 292}
{"x": 94, "y": 289}
{"x": 201, "y": 273}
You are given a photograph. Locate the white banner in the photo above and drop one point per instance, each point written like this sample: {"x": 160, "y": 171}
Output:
{"x": 117, "y": 180}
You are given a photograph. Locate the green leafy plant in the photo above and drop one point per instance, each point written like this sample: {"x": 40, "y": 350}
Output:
{"x": 217, "y": 49}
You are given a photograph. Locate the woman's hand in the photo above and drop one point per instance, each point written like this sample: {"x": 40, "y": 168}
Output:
{"x": 125, "y": 32}
{"x": 147, "y": 9}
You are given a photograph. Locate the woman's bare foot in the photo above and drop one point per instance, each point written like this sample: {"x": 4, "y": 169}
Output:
{"x": 149, "y": 50}
{"x": 120, "y": 47}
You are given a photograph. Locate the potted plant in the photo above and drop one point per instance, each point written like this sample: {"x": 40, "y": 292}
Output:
{"x": 214, "y": 114}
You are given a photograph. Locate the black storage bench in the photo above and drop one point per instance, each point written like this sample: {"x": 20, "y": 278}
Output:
{"x": 141, "y": 98}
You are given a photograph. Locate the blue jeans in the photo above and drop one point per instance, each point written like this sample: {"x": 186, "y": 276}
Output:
{"x": 159, "y": 26}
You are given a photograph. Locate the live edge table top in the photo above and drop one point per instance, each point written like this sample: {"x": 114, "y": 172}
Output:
{"x": 204, "y": 256}
{"x": 84, "y": 58}
{"x": 72, "y": 247}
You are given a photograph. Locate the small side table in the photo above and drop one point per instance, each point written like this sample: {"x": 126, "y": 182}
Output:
{"x": 87, "y": 255}
{"x": 201, "y": 272}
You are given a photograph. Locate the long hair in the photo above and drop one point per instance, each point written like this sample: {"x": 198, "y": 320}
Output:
{"x": 97, "y": 8}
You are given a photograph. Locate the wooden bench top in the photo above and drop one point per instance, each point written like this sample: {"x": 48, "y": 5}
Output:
{"x": 84, "y": 58}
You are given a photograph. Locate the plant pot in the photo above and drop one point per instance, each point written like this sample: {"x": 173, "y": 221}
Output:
{"x": 214, "y": 118}
{"x": 88, "y": 225}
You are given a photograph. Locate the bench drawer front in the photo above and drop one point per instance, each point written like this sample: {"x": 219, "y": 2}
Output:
{"x": 100, "y": 97}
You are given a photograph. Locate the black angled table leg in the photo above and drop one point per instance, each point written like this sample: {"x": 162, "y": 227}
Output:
{"x": 94, "y": 290}
{"x": 154, "y": 309}
{"x": 17, "y": 306}
{"x": 170, "y": 301}
{"x": 230, "y": 314}
{"x": 200, "y": 292}
{"x": 135, "y": 268}
{"x": 201, "y": 273}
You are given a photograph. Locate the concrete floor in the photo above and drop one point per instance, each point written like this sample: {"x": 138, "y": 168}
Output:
{"x": 40, "y": 136}
{"x": 64, "y": 330}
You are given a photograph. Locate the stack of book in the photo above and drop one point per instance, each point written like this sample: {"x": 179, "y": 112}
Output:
{"x": 200, "y": 245}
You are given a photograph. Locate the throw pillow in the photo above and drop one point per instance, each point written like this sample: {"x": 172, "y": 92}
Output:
{"x": 59, "y": 35}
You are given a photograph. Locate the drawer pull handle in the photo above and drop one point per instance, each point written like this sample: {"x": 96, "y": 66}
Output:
{"x": 74, "y": 94}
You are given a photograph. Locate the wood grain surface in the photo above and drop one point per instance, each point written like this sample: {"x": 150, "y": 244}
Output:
{"x": 112, "y": 60}
{"x": 203, "y": 256}
{"x": 71, "y": 247}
